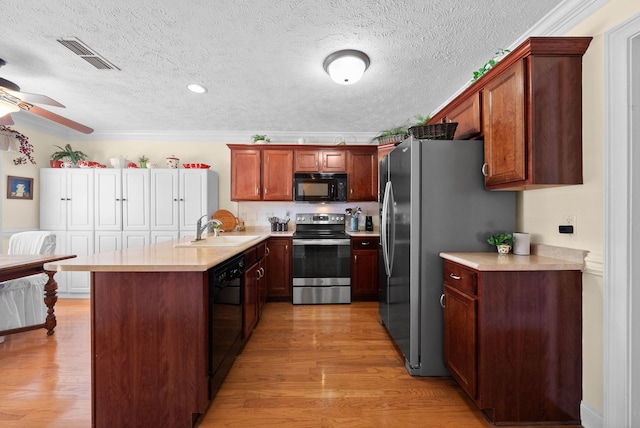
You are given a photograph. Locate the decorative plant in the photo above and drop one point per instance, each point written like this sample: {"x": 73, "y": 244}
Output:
{"x": 143, "y": 161}
{"x": 26, "y": 148}
{"x": 489, "y": 64}
{"x": 259, "y": 137}
{"x": 500, "y": 239}
{"x": 422, "y": 120}
{"x": 402, "y": 131}
{"x": 68, "y": 152}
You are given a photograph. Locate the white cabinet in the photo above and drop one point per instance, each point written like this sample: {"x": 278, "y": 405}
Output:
{"x": 66, "y": 199}
{"x": 122, "y": 199}
{"x": 111, "y": 241}
{"x": 122, "y": 202}
{"x": 98, "y": 210}
{"x": 179, "y": 197}
{"x": 67, "y": 208}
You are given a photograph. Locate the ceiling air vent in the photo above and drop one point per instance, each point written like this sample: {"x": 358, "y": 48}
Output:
{"x": 85, "y": 52}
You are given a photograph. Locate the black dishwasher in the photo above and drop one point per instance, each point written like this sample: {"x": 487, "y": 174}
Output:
{"x": 226, "y": 286}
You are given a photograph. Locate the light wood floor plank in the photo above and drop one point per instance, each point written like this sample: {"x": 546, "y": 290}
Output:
{"x": 304, "y": 366}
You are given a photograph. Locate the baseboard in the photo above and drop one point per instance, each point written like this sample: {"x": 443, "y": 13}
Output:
{"x": 591, "y": 418}
{"x": 74, "y": 295}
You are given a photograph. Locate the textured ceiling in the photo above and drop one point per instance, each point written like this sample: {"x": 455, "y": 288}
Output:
{"x": 261, "y": 61}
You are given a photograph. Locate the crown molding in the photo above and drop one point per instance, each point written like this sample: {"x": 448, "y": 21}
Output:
{"x": 557, "y": 22}
{"x": 285, "y": 137}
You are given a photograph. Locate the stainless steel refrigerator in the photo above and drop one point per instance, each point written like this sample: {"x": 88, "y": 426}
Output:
{"x": 433, "y": 200}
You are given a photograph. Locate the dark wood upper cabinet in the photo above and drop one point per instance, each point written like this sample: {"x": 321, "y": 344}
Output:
{"x": 503, "y": 108}
{"x": 363, "y": 174}
{"x": 467, "y": 113}
{"x": 265, "y": 173}
{"x": 528, "y": 109}
{"x": 277, "y": 175}
{"x": 312, "y": 160}
{"x": 246, "y": 174}
{"x": 261, "y": 174}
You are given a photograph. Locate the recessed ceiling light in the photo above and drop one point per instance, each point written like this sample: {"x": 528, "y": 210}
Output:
{"x": 198, "y": 89}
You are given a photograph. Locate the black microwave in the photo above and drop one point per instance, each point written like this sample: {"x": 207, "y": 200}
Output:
{"x": 318, "y": 187}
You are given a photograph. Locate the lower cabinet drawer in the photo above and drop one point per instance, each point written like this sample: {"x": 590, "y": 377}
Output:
{"x": 460, "y": 277}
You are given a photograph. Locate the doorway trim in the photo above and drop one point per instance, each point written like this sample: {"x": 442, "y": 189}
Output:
{"x": 621, "y": 341}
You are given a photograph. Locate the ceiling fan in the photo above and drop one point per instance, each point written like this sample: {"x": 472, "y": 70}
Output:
{"x": 13, "y": 100}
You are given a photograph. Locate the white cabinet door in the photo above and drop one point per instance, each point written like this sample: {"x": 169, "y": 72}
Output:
{"x": 106, "y": 241}
{"x": 135, "y": 239}
{"x": 80, "y": 192}
{"x": 198, "y": 196}
{"x": 66, "y": 199}
{"x": 108, "y": 199}
{"x": 164, "y": 200}
{"x": 163, "y": 236}
{"x": 136, "y": 200}
{"x": 81, "y": 244}
{"x": 53, "y": 199}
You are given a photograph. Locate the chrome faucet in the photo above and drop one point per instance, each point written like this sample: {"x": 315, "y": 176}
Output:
{"x": 201, "y": 227}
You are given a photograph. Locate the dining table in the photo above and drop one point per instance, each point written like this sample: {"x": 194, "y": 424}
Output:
{"x": 18, "y": 266}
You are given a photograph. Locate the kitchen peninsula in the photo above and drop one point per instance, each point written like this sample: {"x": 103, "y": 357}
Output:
{"x": 150, "y": 331}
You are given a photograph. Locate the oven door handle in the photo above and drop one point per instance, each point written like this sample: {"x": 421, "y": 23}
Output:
{"x": 321, "y": 242}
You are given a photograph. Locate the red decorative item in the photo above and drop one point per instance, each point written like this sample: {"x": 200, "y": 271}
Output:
{"x": 132, "y": 165}
{"x": 55, "y": 163}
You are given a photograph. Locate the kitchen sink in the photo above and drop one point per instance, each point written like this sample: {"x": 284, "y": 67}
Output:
{"x": 220, "y": 241}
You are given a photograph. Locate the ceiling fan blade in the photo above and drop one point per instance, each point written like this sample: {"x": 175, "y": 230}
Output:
{"x": 61, "y": 120}
{"x": 6, "y": 120}
{"x": 7, "y": 84}
{"x": 33, "y": 98}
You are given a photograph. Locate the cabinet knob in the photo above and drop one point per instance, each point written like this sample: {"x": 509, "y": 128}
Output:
{"x": 266, "y": 251}
{"x": 442, "y": 300}
{"x": 365, "y": 243}
{"x": 452, "y": 276}
{"x": 484, "y": 169}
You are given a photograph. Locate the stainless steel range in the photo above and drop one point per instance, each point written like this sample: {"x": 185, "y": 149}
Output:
{"x": 321, "y": 260}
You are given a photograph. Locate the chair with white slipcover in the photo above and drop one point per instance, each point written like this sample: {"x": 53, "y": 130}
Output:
{"x": 22, "y": 299}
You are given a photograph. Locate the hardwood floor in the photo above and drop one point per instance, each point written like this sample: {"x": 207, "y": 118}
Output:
{"x": 304, "y": 366}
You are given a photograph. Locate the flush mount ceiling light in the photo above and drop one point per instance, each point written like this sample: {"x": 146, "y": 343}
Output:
{"x": 347, "y": 66}
{"x": 198, "y": 89}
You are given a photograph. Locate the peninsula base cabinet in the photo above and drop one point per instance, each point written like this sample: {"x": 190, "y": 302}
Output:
{"x": 255, "y": 288}
{"x": 150, "y": 350}
{"x": 513, "y": 341}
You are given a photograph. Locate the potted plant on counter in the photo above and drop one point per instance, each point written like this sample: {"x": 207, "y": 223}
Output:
{"x": 502, "y": 241}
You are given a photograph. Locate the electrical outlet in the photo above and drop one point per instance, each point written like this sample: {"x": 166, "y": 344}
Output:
{"x": 570, "y": 220}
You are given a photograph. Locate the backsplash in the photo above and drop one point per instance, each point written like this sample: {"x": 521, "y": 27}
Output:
{"x": 257, "y": 213}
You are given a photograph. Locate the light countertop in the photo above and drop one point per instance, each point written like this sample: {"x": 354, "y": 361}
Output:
{"x": 162, "y": 257}
{"x": 492, "y": 261}
{"x": 166, "y": 257}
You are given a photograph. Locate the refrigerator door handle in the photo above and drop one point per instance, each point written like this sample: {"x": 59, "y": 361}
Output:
{"x": 384, "y": 228}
